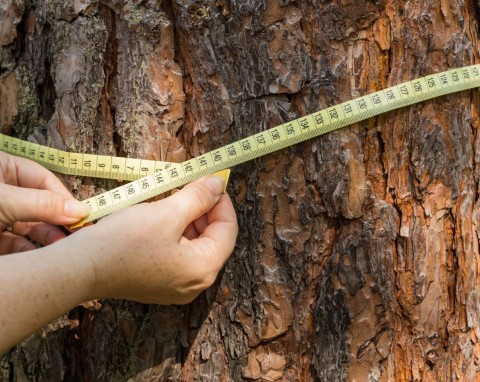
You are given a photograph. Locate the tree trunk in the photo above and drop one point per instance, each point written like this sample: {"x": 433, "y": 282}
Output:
{"x": 357, "y": 257}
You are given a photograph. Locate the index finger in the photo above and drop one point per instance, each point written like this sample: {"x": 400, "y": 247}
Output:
{"x": 218, "y": 239}
{"x": 25, "y": 173}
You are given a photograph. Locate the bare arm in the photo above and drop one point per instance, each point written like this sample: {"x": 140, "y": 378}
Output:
{"x": 163, "y": 252}
{"x": 37, "y": 287}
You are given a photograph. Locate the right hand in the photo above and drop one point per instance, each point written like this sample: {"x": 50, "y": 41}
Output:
{"x": 164, "y": 252}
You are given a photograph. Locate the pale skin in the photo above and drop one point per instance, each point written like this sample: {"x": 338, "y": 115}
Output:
{"x": 164, "y": 252}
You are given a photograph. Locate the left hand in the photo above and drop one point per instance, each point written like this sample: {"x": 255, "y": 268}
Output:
{"x": 32, "y": 202}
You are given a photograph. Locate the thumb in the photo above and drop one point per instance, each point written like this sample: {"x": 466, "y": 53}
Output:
{"x": 29, "y": 205}
{"x": 197, "y": 198}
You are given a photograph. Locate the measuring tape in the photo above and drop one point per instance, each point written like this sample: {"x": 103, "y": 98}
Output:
{"x": 151, "y": 178}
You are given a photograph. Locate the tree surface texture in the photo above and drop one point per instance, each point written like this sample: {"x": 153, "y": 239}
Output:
{"x": 358, "y": 252}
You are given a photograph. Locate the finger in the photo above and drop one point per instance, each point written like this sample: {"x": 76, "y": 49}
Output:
{"x": 201, "y": 223}
{"x": 23, "y": 204}
{"x": 10, "y": 243}
{"x": 190, "y": 232}
{"x": 196, "y": 228}
{"x": 42, "y": 233}
{"x": 218, "y": 239}
{"x": 25, "y": 173}
{"x": 46, "y": 234}
{"x": 195, "y": 199}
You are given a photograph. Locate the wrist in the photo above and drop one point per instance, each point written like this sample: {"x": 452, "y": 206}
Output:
{"x": 95, "y": 252}
{"x": 76, "y": 268}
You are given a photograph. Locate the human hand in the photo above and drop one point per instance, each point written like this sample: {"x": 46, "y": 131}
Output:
{"x": 163, "y": 252}
{"x": 32, "y": 200}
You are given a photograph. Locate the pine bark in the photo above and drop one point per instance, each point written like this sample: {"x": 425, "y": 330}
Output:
{"x": 357, "y": 257}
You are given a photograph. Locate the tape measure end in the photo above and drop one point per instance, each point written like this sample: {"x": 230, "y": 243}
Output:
{"x": 78, "y": 224}
{"x": 225, "y": 174}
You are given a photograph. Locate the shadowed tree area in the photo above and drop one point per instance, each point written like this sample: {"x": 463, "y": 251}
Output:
{"x": 357, "y": 257}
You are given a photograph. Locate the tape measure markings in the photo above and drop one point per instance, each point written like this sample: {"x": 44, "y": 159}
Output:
{"x": 99, "y": 166}
{"x": 164, "y": 176}
{"x": 288, "y": 134}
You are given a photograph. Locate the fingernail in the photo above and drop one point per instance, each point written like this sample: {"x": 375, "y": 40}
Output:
{"x": 215, "y": 184}
{"x": 76, "y": 209}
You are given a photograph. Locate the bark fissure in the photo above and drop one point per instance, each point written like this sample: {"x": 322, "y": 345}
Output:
{"x": 110, "y": 67}
{"x": 357, "y": 253}
{"x": 476, "y": 13}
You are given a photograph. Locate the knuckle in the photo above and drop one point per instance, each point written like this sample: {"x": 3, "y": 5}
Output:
{"x": 208, "y": 280}
{"x": 197, "y": 286}
{"x": 204, "y": 280}
{"x": 6, "y": 207}
{"x": 23, "y": 247}
{"x": 19, "y": 244}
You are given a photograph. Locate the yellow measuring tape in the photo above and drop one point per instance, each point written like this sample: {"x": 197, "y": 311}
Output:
{"x": 152, "y": 178}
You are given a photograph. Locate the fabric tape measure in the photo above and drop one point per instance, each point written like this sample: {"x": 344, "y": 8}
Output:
{"x": 152, "y": 178}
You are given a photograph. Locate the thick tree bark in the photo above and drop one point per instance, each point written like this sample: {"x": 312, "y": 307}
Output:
{"x": 357, "y": 257}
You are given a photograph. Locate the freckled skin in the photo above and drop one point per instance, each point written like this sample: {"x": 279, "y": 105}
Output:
{"x": 163, "y": 252}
